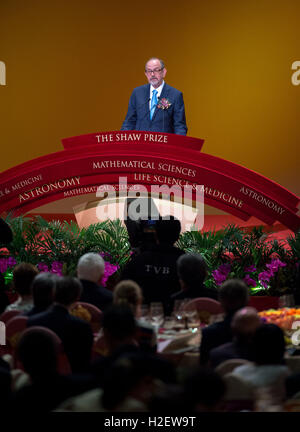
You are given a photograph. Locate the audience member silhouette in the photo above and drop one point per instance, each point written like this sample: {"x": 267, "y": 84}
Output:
{"x": 37, "y": 353}
{"x": 137, "y": 376}
{"x": 75, "y": 334}
{"x": 204, "y": 391}
{"x": 43, "y": 290}
{"x": 233, "y": 296}
{"x": 90, "y": 269}
{"x": 6, "y": 234}
{"x": 119, "y": 330}
{"x": 23, "y": 275}
{"x": 268, "y": 370}
{"x": 243, "y": 325}
{"x": 5, "y": 386}
{"x": 192, "y": 271}
{"x": 4, "y": 301}
{"x": 128, "y": 384}
{"x": 129, "y": 293}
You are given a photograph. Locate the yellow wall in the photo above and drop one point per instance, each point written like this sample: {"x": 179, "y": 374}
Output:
{"x": 71, "y": 66}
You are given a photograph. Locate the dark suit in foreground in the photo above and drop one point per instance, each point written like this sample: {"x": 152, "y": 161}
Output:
{"x": 96, "y": 295}
{"x": 75, "y": 334}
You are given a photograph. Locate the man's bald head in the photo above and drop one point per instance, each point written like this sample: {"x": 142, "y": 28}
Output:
{"x": 245, "y": 322}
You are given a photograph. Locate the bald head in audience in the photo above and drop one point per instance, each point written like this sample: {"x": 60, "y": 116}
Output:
{"x": 245, "y": 322}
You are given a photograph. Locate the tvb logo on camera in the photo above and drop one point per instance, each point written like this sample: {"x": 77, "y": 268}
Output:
{"x": 2, "y": 333}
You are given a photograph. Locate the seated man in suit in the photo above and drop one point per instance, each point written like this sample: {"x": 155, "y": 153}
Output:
{"x": 156, "y": 106}
{"x": 75, "y": 334}
{"x": 243, "y": 325}
{"x": 192, "y": 271}
{"x": 90, "y": 269}
{"x": 233, "y": 296}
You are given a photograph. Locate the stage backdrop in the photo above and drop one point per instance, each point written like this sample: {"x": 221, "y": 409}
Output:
{"x": 71, "y": 66}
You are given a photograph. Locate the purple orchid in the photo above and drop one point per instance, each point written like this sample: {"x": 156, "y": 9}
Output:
{"x": 275, "y": 264}
{"x": 43, "y": 268}
{"x": 265, "y": 275}
{"x": 108, "y": 271}
{"x": 57, "y": 267}
{"x": 6, "y": 263}
{"x": 250, "y": 269}
{"x": 221, "y": 274}
{"x": 249, "y": 281}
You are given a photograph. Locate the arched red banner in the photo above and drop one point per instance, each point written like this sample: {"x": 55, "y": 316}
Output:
{"x": 145, "y": 158}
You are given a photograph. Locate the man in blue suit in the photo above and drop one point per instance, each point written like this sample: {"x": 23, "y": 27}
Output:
{"x": 156, "y": 106}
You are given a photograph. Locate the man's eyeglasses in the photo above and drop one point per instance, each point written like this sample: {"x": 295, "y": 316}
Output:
{"x": 149, "y": 71}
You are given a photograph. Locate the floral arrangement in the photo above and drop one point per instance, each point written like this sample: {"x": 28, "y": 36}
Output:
{"x": 256, "y": 280}
{"x": 56, "y": 247}
{"x": 56, "y": 268}
{"x": 283, "y": 317}
{"x": 268, "y": 268}
{"x": 164, "y": 103}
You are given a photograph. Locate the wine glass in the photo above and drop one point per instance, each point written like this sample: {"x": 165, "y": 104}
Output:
{"x": 192, "y": 318}
{"x": 144, "y": 314}
{"x": 157, "y": 314}
{"x": 179, "y": 314}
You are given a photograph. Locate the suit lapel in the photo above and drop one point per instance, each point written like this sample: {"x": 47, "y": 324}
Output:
{"x": 147, "y": 95}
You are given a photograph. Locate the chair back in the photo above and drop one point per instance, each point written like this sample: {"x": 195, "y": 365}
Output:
{"x": 7, "y": 315}
{"x": 89, "y": 313}
{"x": 63, "y": 365}
{"x": 14, "y": 327}
{"x": 228, "y": 366}
{"x": 206, "y": 307}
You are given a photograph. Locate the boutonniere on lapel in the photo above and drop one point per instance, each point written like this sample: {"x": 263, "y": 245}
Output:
{"x": 164, "y": 103}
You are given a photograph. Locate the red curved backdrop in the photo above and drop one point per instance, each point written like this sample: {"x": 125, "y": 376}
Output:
{"x": 145, "y": 158}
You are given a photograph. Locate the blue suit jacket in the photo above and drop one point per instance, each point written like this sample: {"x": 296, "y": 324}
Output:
{"x": 171, "y": 120}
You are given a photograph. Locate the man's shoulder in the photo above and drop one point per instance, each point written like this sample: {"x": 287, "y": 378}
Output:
{"x": 213, "y": 328}
{"x": 141, "y": 88}
{"x": 171, "y": 89}
{"x": 39, "y": 317}
{"x": 105, "y": 292}
{"x": 228, "y": 346}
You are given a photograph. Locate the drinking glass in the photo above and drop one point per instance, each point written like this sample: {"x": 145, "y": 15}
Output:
{"x": 144, "y": 314}
{"x": 192, "y": 318}
{"x": 179, "y": 314}
{"x": 157, "y": 314}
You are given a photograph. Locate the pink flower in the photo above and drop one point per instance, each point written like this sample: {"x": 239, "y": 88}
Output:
{"x": 164, "y": 103}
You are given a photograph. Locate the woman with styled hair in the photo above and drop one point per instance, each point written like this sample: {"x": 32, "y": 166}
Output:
{"x": 128, "y": 292}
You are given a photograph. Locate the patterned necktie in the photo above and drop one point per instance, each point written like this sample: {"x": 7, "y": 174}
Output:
{"x": 153, "y": 103}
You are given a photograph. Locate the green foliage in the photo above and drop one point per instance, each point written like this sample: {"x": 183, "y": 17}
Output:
{"x": 37, "y": 240}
